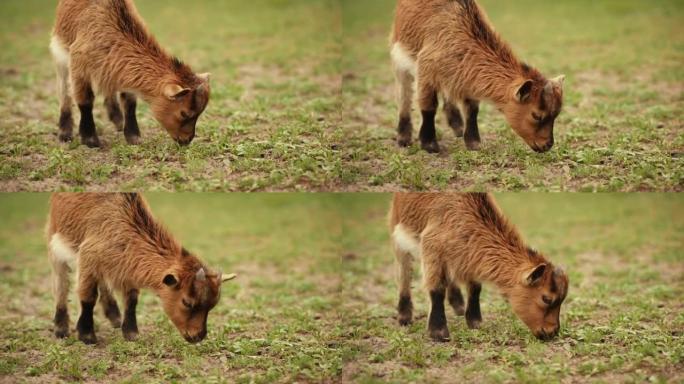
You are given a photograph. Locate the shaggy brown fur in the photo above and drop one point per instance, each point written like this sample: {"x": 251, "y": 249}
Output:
{"x": 465, "y": 239}
{"x": 451, "y": 49}
{"x": 104, "y": 45}
{"x": 117, "y": 244}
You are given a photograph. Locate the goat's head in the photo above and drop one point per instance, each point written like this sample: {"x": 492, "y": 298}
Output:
{"x": 188, "y": 296}
{"x": 537, "y": 297}
{"x": 532, "y": 110}
{"x": 177, "y": 108}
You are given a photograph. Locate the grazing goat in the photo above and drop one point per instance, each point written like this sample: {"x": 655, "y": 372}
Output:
{"x": 104, "y": 45}
{"x": 464, "y": 239}
{"x": 117, "y": 244}
{"x": 448, "y": 47}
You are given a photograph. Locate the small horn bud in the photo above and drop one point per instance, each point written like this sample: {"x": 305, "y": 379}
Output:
{"x": 227, "y": 277}
{"x": 201, "y": 275}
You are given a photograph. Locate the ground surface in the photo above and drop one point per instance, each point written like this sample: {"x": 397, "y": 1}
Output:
{"x": 315, "y": 297}
{"x": 622, "y": 128}
{"x": 623, "y": 319}
{"x": 275, "y": 323}
{"x": 271, "y": 123}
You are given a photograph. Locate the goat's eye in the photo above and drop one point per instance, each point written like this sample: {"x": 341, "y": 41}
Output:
{"x": 184, "y": 115}
{"x": 536, "y": 117}
{"x": 186, "y": 304}
{"x": 547, "y": 300}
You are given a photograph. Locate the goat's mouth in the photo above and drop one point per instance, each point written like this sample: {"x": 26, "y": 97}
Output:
{"x": 546, "y": 336}
{"x": 542, "y": 148}
{"x": 194, "y": 338}
{"x": 183, "y": 142}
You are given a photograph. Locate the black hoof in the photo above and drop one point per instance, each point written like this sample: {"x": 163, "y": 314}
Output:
{"x": 459, "y": 310}
{"x": 65, "y": 137}
{"x": 440, "y": 335}
{"x": 404, "y": 141}
{"x": 87, "y": 338}
{"x": 405, "y": 320}
{"x": 130, "y": 335}
{"x": 430, "y": 146}
{"x": 91, "y": 141}
{"x": 473, "y": 145}
{"x": 62, "y": 333}
{"x": 474, "y": 323}
{"x": 133, "y": 139}
{"x": 114, "y": 319}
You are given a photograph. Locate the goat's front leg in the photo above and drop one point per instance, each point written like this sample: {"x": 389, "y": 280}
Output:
{"x": 427, "y": 100}
{"x": 473, "y": 314}
{"x": 130, "y": 323}
{"x": 84, "y": 96}
{"x": 87, "y": 292}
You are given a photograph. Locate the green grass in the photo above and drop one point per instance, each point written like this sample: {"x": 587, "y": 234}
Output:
{"x": 271, "y": 123}
{"x": 621, "y": 322}
{"x": 621, "y": 128}
{"x": 275, "y": 323}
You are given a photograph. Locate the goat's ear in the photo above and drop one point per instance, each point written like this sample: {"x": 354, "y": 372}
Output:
{"x": 205, "y": 77}
{"x": 175, "y": 91}
{"x": 170, "y": 280}
{"x": 533, "y": 277}
{"x": 227, "y": 277}
{"x": 524, "y": 91}
{"x": 558, "y": 80}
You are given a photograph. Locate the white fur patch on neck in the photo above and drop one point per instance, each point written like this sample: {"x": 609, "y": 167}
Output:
{"x": 406, "y": 241}
{"x": 402, "y": 59}
{"x": 59, "y": 51}
{"x": 61, "y": 249}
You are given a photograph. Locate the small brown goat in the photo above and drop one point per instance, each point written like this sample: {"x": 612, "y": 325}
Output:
{"x": 449, "y": 47}
{"x": 117, "y": 244}
{"x": 464, "y": 239}
{"x": 104, "y": 45}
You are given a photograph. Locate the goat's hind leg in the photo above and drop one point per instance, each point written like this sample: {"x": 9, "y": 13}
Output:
{"x": 404, "y": 262}
{"x": 405, "y": 82}
{"x": 113, "y": 107}
{"x": 454, "y": 118}
{"x": 60, "y": 289}
{"x": 109, "y": 306}
{"x": 456, "y": 299}
{"x": 66, "y": 120}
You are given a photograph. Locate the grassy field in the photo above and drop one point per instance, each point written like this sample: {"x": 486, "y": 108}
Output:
{"x": 623, "y": 319}
{"x": 272, "y": 122}
{"x": 275, "y": 323}
{"x": 623, "y": 119}
{"x": 315, "y": 297}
